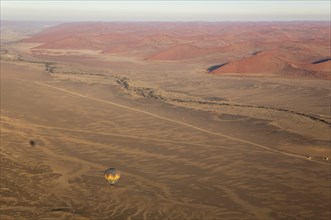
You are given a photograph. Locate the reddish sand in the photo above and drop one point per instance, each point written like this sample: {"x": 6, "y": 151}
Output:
{"x": 324, "y": 66}
{"x": 262, "y": 62}
{"x": 189, "y": 145}
{"x": 287, "y": 49}
{"x": 183, "y": 51}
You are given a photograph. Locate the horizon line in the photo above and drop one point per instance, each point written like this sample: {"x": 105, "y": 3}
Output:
{"x": 172, "y": 21}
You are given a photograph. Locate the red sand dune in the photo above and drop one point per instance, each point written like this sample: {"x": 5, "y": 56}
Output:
{"x": 322, "y": 67}
{"x": 144, "y": 46}
{"x": 321, "y": 70}
{"x": 287, "y": 48}
{"x": 273, "y": 62}
{"x": 71, "y": 42}
{"x": 262, "y": 62}
{"x": 183, "y": 51}
{"x": 159, "y": 38}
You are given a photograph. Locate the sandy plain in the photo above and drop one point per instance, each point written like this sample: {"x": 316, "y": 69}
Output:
{"x": 189, "y": 145}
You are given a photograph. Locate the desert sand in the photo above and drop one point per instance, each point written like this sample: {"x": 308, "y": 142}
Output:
{"x": 239, "y": 142}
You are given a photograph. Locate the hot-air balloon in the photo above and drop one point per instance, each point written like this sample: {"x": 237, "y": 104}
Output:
{"x": 112, "y": 175}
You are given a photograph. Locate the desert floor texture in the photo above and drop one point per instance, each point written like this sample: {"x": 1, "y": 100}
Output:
{"x": 247, "y": 139}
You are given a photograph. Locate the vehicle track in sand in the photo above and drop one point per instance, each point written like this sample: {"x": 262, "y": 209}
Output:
{"x": 136, "y": 137}
{"x": 179, "y": 122}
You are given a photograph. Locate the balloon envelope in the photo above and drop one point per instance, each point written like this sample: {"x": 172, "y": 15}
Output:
{"x": 112, "y": 175}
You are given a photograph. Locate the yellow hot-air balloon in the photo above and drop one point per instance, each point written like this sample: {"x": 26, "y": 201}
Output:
{"x": 112, "y": 175}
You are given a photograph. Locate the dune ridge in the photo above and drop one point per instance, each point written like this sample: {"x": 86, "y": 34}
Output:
{"x": 237, "y": 44}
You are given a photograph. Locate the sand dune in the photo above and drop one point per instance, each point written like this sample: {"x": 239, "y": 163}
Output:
{"x": 262, "y": 62}
{"x": 273, "y": 62}
{"x": 286, "y": 48}
{"x": 189, "y": 145}
{"x": 182, "y": 52}
{"x": 322, "y": 67}
{"x": 71, "y": 42}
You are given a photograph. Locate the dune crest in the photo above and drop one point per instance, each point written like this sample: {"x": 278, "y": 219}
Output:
{"x": 278, "y": 49}
{"x": 262, "y": 62}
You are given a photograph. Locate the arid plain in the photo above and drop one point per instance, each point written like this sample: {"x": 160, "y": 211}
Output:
{"x": 203, "y": 120}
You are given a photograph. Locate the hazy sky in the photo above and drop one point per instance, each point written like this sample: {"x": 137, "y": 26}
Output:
{"x": 136, "y": 10}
